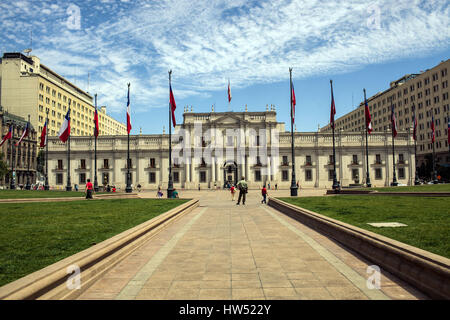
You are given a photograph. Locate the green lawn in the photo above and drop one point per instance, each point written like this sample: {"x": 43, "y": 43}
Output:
{"x": 428, "y": 218}
{"x": 421, "y": 188}
{"x": 35, "y": 235}
{"x": 22, "y": 194}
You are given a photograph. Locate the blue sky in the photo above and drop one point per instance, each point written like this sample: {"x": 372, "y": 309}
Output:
{"x": 357, "y": 43}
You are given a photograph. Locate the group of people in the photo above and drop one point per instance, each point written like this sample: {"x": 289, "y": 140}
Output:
{"x": 160, "y": 194}
{"x": 243, "y": 190}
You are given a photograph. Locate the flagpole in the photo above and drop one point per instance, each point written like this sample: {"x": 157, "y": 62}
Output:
{"x": 335, "y": 183}
{"x": 69, "y": 184}
{"x": 128, "y": 188}
{"x": 170, "y": 184}
{"x": 368, "y": 184}
{"x": 394, "y": 181}
{"x": 28, "y": 185}
{"x": 12, "y": 184}
{"x": 46, "y": 186}
{"x": 435, "y": 180}
{"x": 95, "y": 151}
{"x": 416, "y": 179}
{"x": 294, "y": 189}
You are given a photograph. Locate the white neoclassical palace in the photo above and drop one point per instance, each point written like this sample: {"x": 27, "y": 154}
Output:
{"x": 211, "y": 149}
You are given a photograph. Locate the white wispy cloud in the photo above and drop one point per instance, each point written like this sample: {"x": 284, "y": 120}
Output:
{"x": 205, "y": 43}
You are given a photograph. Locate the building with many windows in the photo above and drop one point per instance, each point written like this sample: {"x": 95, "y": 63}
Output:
{"x": 30, "y": 88}
{"x": 212, "y": 149}
{"x": 428, "y": 93}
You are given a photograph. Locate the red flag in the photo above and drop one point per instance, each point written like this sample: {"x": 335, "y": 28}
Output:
{"x": 368, "y": 117}
{"x": 44, "y": 136}
{"x": 7, "y": 136}
{"x": 64, "y": 132}
{"x": 229, "y": 91}
{"x": 293, "y": 103}
{"x": 173, "y": 106}
{"x": 393, "y": 122}
{"x": 24, "y": 134}
{"x": 432, "y": 129}
{"x": 128, "y": 112}
{"x": 333, "y": 107}
{"x": 96, "y": 127}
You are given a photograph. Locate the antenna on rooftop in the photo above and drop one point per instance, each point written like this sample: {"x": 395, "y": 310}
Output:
{"x": 27, "y": 51}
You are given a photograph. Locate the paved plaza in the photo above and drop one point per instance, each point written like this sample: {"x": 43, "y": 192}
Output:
{"x": 224, "y": 251}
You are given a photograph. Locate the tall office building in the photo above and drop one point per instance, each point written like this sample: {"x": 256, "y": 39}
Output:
{"x": 428, "y": 91}
{"x": 30, "y": 88}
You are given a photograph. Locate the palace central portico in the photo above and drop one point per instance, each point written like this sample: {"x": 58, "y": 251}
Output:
{"x": 210, "y": 149}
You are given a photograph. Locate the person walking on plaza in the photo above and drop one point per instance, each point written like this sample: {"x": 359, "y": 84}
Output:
{"x": 89, "y": 189}
{"x": 243, "y": 189}
{"x": 233, "y": 191}
{"x": 264, "y": 194}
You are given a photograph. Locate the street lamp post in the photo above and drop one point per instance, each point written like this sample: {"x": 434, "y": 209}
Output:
{"x": 46, "y": 186}
{"x": 294, "y": 189}
{"x": 28, "y": 185}
{"x": 12, "y": 184}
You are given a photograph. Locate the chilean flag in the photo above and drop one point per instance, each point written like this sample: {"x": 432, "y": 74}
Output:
{"x": 7, "y": 136}
{"x": 96, "y": 130}
{"x": 44, "y": 136}
{"x": 24, "y": 134}
{"x": 128, "y": 112}
{"x": 293, "y": 103}
{"x": 64, "y": 132}
{"x": 393, "y": 121}
{"x": 173, "y": 106}
{"x": 229, "y": 91}
{"x": 415, "y": 127}
{"x": 333, "y": 109}
{"x": 432, "y": 129}
{"x": 368, "y": 117}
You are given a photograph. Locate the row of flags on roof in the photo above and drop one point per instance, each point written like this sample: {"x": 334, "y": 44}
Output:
{"x": 64, "y": 132}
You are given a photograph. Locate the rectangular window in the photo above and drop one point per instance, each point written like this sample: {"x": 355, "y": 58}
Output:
{"x": 59, "y": 178}
{"x": 82, "y": 178}
{"x": 330, "y": 174}
{"x": 176, "y": 177}
{"x": 285, "y": 175}
{"x": 400, "y": 158}
{"x": 60, "y": 165}
{"x": 308, "y": 160}
{"x": 401, "y": 173}
{"x": 203, "y": 176}
{"x": 330, "y": 159}
{"x": 152, "y": 177}
{"x": 355, "y": 174}
{"x": 355, "y": 159}
{"x": 83, "y": 164}
{"x": 258, "y": 175}
{"x": 285, "y": 161}
{"x": 105, "y": 163}
{"x": 152, "y": 163}
{"x": 378, "y": 159}
{"x": 378, "y": 174}
{"x": 308, "y": 175}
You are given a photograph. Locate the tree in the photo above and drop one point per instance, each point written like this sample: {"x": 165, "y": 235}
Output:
{"x": 3, "y": 167}
{"x": 40, "y": 163}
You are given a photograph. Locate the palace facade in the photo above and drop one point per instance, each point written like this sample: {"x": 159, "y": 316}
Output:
{"x": 211, "y": 149}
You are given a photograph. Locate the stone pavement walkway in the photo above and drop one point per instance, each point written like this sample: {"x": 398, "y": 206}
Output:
{"x": 223, "y": 251}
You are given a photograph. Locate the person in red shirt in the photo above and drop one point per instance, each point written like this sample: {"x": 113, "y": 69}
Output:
{"x": 89, "y": 189}
{"x": 233, "y": 191}
{"x": 264, "y": 194}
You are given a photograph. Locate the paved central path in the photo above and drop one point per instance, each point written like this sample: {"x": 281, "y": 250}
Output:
{"x": 224, "y": 251}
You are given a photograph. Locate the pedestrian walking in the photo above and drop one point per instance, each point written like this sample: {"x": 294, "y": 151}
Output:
{"x": 159, "y": 194}
{"x": 268, "y": 186}
{"x": 264, "y": 194}
{"x": 233, "y": 192}
{"x": 243, "y": 189}
{"x": 276, "y": 186}
{"x": 89, "y": 189}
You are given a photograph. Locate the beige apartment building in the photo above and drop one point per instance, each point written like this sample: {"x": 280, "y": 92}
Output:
{"x": 30, "y": 88}
{"x": 428, "y": 91}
